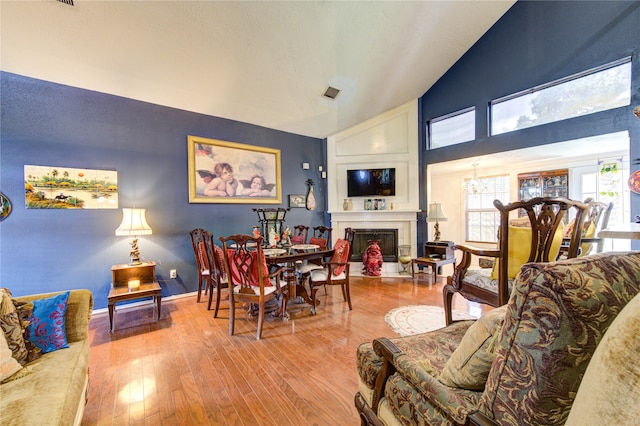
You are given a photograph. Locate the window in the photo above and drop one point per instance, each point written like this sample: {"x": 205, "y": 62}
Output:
{"x": 482, "y": 218}
{"x": 589, "y": 185}
{"x": 592, "y": 91}
{"x": 453, "y": 128}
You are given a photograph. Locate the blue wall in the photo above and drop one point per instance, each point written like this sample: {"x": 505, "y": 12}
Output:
{"x": 54, "y": 125}
{"x": 534, "y": 43}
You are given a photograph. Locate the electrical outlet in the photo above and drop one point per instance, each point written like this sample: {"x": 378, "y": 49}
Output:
{"x": 173, "y": 274}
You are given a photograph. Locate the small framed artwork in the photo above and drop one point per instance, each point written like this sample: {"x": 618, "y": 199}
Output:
{"x": 297, "y": 200}
{"x": 230, "y": 172}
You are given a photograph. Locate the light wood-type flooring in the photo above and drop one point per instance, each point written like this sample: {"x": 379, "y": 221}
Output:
{"x": 185, "y": 369}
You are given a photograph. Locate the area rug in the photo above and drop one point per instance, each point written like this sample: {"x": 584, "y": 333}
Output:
{"x": 416, "y": 319}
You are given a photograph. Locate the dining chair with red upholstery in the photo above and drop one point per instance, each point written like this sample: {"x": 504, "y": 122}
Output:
{"x": 335, "y": 271}
{"x": 300, "y": 234}
{"x": 249, "y": 278}
{"x": 213, "y": 260}
{"x": 198, "y": 236}
{"x": 321, "y": 237}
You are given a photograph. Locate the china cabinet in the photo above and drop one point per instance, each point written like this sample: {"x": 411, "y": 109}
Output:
{"x": 550, "y": 183}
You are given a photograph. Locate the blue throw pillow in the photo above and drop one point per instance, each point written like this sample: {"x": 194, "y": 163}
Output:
{"x": 47, "y": 326}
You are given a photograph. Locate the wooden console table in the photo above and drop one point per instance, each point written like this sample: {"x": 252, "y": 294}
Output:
{"x": 120, "y": 291}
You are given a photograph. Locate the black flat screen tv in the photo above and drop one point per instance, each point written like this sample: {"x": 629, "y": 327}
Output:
{"x": 370, "y": 182}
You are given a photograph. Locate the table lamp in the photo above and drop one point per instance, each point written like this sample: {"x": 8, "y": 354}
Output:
{"x": 435, "y": 215}
{"x": 133, "y": 224}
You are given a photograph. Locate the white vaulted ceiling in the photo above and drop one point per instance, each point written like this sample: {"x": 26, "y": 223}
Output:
{"x": 263, "y": 62}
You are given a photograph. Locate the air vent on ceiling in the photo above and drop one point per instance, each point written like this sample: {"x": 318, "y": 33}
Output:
{"x": 331, "y": 92}
{"x": 69, "y": 2}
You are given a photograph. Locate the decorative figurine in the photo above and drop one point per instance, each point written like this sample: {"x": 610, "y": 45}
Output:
{"x": 372, "y": 259}
{"x": 273, "y": 237}
{"x": 256, "y": 232}
{"x": 286, "y": 236}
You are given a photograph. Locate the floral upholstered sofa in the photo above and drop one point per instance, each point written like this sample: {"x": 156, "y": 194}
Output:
{"x": 518, "y": 364}
{"x": 51, "y": 388}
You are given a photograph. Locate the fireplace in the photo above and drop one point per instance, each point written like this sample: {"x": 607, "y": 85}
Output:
{"x": 388, "y": 243}
{"x": 405, "y": 222}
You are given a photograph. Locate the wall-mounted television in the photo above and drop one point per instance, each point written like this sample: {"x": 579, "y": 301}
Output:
{"x": 369, "y": 182}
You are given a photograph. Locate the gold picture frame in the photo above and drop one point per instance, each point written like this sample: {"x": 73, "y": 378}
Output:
{"x": 223, "y": 172}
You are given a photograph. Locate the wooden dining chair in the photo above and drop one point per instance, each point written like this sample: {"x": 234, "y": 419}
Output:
{"x": 321, "y": 237}
{"x": 300, "y": 234}
{"x": 540, "y": 241}
{"x": 213, "y": 260}
{"x": 596, "y": 220}
{"x": 249, "y": 279}
{"x": 599, "y": 213}
{"x": 335, "y": 271}
{"x": 198, "y": 236}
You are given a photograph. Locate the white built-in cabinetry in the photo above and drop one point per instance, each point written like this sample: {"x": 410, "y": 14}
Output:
{"x": 388, "y": 140}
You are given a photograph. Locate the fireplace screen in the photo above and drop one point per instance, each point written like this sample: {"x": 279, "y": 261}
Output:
{"x": 388, "y": 243}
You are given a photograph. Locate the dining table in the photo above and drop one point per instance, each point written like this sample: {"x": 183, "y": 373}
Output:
{"x": 289, "y": 257}
{"x": 629, "y": 231}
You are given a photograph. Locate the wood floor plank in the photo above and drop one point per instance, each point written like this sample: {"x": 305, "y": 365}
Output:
{"x": 185, "y": 369}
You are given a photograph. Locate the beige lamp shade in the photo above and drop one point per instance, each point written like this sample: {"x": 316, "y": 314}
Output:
{"x": 133, "y": 223}
{"x": 435, "y": 213}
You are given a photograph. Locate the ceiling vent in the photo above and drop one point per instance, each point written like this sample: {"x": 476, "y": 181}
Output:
{"x": 331, "y": 92}
{"x": 69, "y": 2}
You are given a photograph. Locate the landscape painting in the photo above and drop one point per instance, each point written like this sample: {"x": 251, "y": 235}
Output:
{"x": 48, "y": 187}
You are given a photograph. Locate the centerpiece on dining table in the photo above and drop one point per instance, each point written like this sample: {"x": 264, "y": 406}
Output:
{"x": 271, "y": 226}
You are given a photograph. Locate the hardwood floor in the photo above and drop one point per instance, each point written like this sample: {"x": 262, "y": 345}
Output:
{"x": 186, "y": 369}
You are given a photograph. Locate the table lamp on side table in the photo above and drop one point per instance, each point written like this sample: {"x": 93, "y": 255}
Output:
{"x": 133, "y": 224}
{"x": 436, "y": 215}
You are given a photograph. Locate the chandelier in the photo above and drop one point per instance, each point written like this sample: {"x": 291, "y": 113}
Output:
{"x": 475, "y": 185}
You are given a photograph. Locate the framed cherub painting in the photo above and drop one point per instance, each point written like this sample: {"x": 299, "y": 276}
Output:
{"x": 231, "y": 172}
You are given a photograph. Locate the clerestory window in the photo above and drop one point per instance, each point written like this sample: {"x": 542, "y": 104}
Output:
{"x": 599, "y": 89}
{"x": 452, "y": 128}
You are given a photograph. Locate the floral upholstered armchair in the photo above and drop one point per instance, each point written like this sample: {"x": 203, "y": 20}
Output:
{"x": 521, "y": 363}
